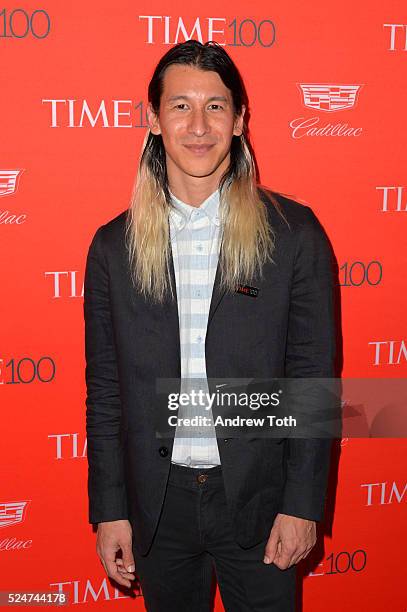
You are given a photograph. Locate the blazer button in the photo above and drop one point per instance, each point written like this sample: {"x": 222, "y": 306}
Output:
{"x": 226, "y": 440}
{"x": 163, "y": 450}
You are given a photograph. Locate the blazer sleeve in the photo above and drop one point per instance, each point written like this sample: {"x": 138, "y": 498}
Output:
{"x": 310, "y": 353}
{"x": 106, "y": 483}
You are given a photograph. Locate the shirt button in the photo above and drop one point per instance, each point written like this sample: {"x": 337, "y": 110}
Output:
{"x": 199, "y": 247}
{"x": 198, "y": 293}
{"x": 199, "y": 339}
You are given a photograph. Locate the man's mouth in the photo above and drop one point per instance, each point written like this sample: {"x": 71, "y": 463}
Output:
{"x": 199, "y": 149}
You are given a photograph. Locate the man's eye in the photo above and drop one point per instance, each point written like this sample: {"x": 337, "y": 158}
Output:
{"x": 217, "y": 105}
{"x": 182, "y": 104}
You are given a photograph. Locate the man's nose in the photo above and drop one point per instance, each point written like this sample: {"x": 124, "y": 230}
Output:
{"x": 198, "y": 123}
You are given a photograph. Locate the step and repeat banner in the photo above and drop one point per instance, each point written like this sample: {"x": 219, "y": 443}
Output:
{"x": 326, "y": 83}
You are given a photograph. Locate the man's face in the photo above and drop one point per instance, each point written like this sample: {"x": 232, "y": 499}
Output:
{"x": 195, "y": 120}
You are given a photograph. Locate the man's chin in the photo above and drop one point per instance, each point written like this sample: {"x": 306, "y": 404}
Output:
{"x": 199, "y": 171}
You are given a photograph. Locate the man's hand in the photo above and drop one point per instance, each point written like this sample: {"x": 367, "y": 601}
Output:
{"x": 291, "y": 539}
{"x": 111, "y": 537}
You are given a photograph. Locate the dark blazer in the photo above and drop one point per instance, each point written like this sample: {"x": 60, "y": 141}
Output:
{"x": 288, "y": 330}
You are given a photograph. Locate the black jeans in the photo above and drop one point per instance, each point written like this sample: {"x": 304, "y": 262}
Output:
{"x": 194, "y": 537}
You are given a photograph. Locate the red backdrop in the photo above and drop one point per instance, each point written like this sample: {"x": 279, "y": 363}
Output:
{"x": 328, "y": 97}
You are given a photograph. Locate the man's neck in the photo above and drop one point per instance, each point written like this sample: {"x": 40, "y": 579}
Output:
{"x": 191, "y": 189}
{"x": 193, "y": 197}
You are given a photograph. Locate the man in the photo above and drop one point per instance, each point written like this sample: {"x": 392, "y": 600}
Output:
{"x": 205, "y": 276}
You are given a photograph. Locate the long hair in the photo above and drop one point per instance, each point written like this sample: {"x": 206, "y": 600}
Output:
{"x": 247, "y": 240}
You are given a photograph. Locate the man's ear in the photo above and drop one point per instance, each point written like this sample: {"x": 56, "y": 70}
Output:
{"x": 153, "y": 120}
{"x": 239, "y": 122}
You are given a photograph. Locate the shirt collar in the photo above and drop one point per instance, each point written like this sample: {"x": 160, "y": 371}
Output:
{"x": 181, "y": 212}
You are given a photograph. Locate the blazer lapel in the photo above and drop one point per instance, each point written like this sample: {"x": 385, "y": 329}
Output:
{"x": 171, "y": 313}
{"x": 217, "y": 294}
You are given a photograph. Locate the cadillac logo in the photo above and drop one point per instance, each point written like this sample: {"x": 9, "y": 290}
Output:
{"x": 8, "y": 181}
{"x": 12, "y": 513}
{"x": 329, "y": 98}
